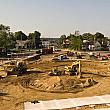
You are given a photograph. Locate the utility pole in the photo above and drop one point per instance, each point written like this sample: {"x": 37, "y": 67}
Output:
{"x": 21, "y": 43}
{"x": 94, "y": 43}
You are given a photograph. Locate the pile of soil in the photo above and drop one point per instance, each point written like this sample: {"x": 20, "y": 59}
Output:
{"x": 56, "y": 83}
{"x": 16, "y": 90}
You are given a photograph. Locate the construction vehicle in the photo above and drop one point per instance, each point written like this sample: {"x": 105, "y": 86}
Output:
{"x": 13, "y": 67}
{"x": 55, "y": 72}
{"x": 74, "y": 69}
{"x": 17, "y": 67}
{"x": 76, "y": 55}
{"x": 20, "y": 68}
{"x": 5, "y": 68}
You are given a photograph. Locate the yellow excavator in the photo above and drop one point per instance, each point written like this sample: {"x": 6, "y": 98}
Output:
{"x": 74, "y": 69}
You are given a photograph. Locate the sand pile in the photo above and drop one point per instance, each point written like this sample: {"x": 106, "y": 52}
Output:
{"x": 57, "y": 83}
{"x": 15, "y": 90}
{"x": 52, "y": 83}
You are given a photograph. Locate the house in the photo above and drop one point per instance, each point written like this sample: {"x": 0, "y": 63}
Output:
{"x": 66, "y": 43}
{"x": 21, "y": 44}
{"x": 97, "y": 46}
{"x": 46, "y": 42}
{"x": 85, "y": 45}
{"x": 91, "y": 47}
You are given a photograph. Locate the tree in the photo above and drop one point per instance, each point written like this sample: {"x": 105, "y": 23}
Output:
{"x": 76, "y": 42}
{"x": 20, "y": 36}
{"x": 88, "y": 36}
{"x": 6, "y": 36}
{"x": 12, "y": 40}
{"x": 4, "y": 28}
{"x": 99, "y": 37}
{"x": 61, "y": 40}
{"x": 35, "y": 41}
{"x": 70, "y": 37}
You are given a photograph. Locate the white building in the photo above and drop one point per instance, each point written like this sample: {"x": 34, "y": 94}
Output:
{"x": 45, "y": 43}
{"x": 20, "y": 44}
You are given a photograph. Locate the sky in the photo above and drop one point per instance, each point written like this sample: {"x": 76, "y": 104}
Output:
{"x": 53, "y": 18}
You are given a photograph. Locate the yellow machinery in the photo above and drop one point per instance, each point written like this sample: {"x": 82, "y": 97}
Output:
{"x": 5, "y": 68}
{"x": 20, "y": 68}
{"x": 13, "y": 67}
{"x": 74, "y": 69}
{"x": 9, "y": 65}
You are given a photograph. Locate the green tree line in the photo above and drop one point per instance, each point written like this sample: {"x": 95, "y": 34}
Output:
{"x": 77, "y": 41}
{"x": 8, "y": 38}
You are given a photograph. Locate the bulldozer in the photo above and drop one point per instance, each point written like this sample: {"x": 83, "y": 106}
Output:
{"x": 74, "y": 69}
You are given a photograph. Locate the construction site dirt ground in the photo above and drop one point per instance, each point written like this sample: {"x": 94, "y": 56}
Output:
{"x": 16, "y": 90}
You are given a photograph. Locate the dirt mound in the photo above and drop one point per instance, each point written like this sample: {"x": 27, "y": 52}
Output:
{"x": 16, "y": 91}
{"x": 52, "y": 83}
{"x": 25, "y": 82}
{"x": 56, "y": 83}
